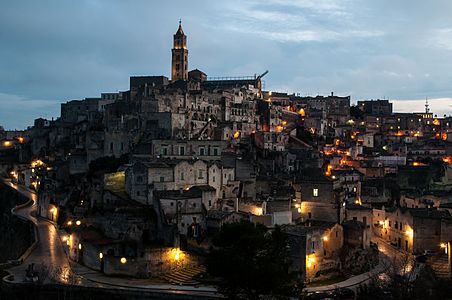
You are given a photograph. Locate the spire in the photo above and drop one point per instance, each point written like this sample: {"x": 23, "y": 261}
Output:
{"x": 180, "y": 31}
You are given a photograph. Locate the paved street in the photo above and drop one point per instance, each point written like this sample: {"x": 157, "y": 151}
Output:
{"x": 50, "y": 252}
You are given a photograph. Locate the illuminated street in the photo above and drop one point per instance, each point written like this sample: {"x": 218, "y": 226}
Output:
{"x": 50, "y": 252}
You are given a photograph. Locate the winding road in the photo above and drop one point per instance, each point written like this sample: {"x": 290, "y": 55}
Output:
{"x": 51, "y": 254}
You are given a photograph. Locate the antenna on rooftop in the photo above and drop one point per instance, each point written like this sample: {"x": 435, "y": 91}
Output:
{"x": 427, "y": 109}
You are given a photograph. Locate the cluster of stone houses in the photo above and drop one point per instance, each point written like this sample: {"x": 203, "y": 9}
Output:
{"x": 137, "y": 175}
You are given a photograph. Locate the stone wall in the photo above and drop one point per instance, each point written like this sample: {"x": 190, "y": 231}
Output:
{"x": 319, "y": 211}
{"x": 153, "y": 263}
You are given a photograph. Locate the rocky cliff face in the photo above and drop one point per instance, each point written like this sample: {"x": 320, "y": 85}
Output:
{"x": 16, "y": 235}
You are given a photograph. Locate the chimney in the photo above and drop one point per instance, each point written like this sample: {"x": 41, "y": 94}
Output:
{"x": 332, "y": 94}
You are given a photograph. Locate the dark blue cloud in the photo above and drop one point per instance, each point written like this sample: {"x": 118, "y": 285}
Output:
{"x": 52, "y": 50}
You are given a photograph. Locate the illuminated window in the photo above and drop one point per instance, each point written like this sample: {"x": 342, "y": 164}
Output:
{"x": 315, "y": 192}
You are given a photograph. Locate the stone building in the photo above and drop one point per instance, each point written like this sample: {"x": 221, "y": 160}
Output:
{"x": 314, "y": 250}
{"x": 187, "y": 209}
{"x": 179, "y": 65}
{"x": 321, "y": 197}
{"x": 415, "y": 230}
{"x": 376, "y": 107}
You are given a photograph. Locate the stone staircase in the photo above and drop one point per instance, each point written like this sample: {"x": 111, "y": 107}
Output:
{"x": 184, "y": 276}
{"x": 440, "y": 266}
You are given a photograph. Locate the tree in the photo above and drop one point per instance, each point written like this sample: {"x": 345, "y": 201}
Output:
{"x": 403, "y": 279}
{"x": 251, "y": 261}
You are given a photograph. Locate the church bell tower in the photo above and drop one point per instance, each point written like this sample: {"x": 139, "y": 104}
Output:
{"x": 179, "y": 66}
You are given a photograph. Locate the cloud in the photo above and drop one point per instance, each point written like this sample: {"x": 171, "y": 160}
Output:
{"x": 438, "y": 106}
{"x": 20, "y": 111}
{"x": 56, "y": 50}
{"x": 441, "y": 38}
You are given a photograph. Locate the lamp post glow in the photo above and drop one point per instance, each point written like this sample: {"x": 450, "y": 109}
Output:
{"x": 78, "y": 222}
{"x": 177, "y": 255}
{"x": 310, "y": 261}
{"x": 123, "y": 260}
{"x": 101, "y": 255}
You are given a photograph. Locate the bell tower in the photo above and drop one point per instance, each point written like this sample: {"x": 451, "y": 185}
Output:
{"x": 179, "y": 66}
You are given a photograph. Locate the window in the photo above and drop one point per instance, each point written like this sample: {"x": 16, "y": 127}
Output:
{"x": 201, "y": 151}
{"x": 172, "y": 203}
{"x": 181, "y": 150}
{"x": 139, "y": 178}
{"x": 201, "y": 175}
{"x": 181, "y": 175}
{"x": 210, "y": 203}
{"x": 315, "y": 192}
{"x": 213, "y": 179}
{"x": 138, "y": 193}
{"x": 162, "y": 179}
{"x": 215, "y": 151}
